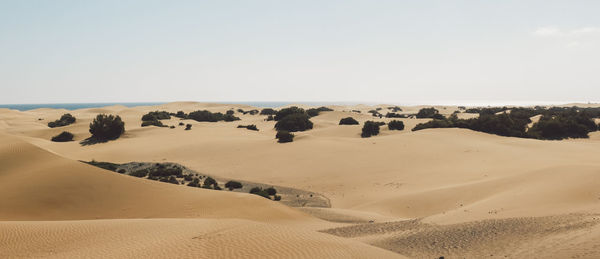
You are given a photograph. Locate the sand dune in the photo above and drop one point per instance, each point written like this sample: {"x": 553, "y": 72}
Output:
{"x": 437, "y": 177}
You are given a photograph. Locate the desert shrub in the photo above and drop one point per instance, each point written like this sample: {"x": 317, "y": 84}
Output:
{"x": 209, "y": 181}
{"x": 462, "y": 108}
{"x": 315, "y": 111}
{"x": 169, "y": 179}
{"x": 271, "y": 191}
{"x": 156, "y": 123}
{"x": 268, "y": 111}
{"x": 284, "y": 136}
{"x": 288, "y": 111}
{"x": 250, "y": 127}
{"x": 104, "y": 165}
{"x": 233, "y": 185}
{"x": 63, "y": 137}
{"x": 375, "y": 113}
{"x": 64, "y": 120}
{"x": 434, "y": 124}
{"x": 181, "y": 124}
{"x": 107, "y": 127}
{"x": 260, "y": 192}
{"x": 139, "y": 173}
{"x": 121, "y": 171}
{"x": 427, "y": 113}
{"x": 395, "y": 115}
{"x": 251, "y": 112}
{"x": 395, "y": 109}
{"x": 171, "y": 127}
{"x": 205, "y": 115}
{"x": 194, "y": 183}
{"x": 229, "y": 112}
{"x": 270, "y": 118}
{"x": 240, "y": 110}
{"x": 357, "y": 111}
{"x": 180, "y": 114}
{"x": 577, "y": 125}
{"x": 396, "y": 125}
{"x": 348, "y": 121}
{"x": 156, "y": 115}
{"x": 276, "y": 198}
{"x": 188, "y": 177}
{"x": 370, "y": 128}
{"x": 188, "y": 127}
{"x": 294, "y": 122}
{"x": 163, "y": 171}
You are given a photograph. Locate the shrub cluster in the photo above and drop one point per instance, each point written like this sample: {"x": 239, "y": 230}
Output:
{"x": 315, "y": 111}
{"x": 376, "y": 113}
{"x": 188, "y": 126}
{"x": 395, "y": 109}
{"x": 294, "y": 122}
{"x": 156, "y": 115}
{"x": 104, "y": 165}
{"x": 556, "y": 123}
{"x": 156, "y": 123}
{"x": 348, "y": 121}
{"x": 267, "y": 193}
{"x": 395, "y": 115}
{"x": 64, "y": 120}
{"x": 396, "y": 125}
{"x": 205, "y": 115}
{"x": 63, "y": 137}
{"x": 107, "y": 127}
{"x": 233, "y": 185}
{"x": 210, "y": 183}
{"x": 284, "y": 136}
{"x": 180, "y": 114}
{"x": 250, "y": 127}
{"x": 429, "y": 113}
{"x": 268, "y": 111}
{"x": 370, "y": 128}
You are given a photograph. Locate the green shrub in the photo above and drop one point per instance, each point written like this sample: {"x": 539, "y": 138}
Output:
{"x": 348, "y": 121}
{"x": 64, "y": 120}
{"x": 284, "y": 136}
{"x": 271, "y": 191}
{"x": 288, "y": 111}
{"x": 156, "y": 115}
{"x": 229, "y": 112}
{"x": 427, "y": 113}
{"x": 268, "y": 111}
{"x": 395, "y": 109}
{"x": 180, "y": 114}
{"x": 294, "y": 122}
{"x": 107, "y": 127}
{"x": 395, "y": 115}
{"x": 233, "y": 185}
{"x": 276, "y": 198}
{"x": 260, "y": 192}
{"x": 205, "y": 115}
{"x": 370, "y": 128}
{"x": 270, "y": 118}
{"x": 188, "y": 127}
{"x": 63, "y": 137}
{"x": 250, "y": 127}
{"x": 156, "y": 123}
{"x": 396, "y": 125}
{"x": 139, "y": 173}
{"x": 170, "y": 179}
{"x": 209, "y": 181}
{"x": 194, "y": 183}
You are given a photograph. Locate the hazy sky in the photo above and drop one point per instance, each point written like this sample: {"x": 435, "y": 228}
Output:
{"x": 370, "y": 51}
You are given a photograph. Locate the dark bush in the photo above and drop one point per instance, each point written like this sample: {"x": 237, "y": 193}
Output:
{"x": 315, "y": 111}
{"x": 63, "y": 137}
{"x": 288, "y": 111}
{"x": 156, "y": 123}
{"x": 395, "y": 109}
{"x": 139, "y": 173}
{"x": 104, "y": 165}
{"x": 396, "y": 125}
{"x": 181, "y": 124}
{"x": 163, "y": 171}
{"x": 240, "y": 110}
{"x": 188, "y": 127}
{"x": 121, "y": 171}
{"x": 64, "y": 120}
{"x": 294, "y": 122}
{"x": 194, "y": 183}
{"x": 427, "y": 113}
{"x": 276, "y": 198}
{"x": 156, "y": 115}
{"x": 268, "y": 111}
{"x": 357, "y": 111}
{"x": 284, "y": 136}
{"x": 170, "y": 179}
{"x": 211, "y": 117}
{"x": 434, "y": 124}
{"x": 395, "y": 115}
{"x": 251, "y": 112}
{"x": 233, "y": 185}
{"x": 271, "y": 191}
{"x": 188, "y": 177}
{"x": 348, "y": 121}
{"x": 270, "y": 118}
{"x": 229, "y": 112}
{"x": 107, "y": 127}
{"x": 260, "y": 192}
{"x": 250, "y": 127}
{"x": 370, "y": 128}
{"x": 180, "y": 114}
{"x": 209, "y": 181}
{"x": 171, "y": 127}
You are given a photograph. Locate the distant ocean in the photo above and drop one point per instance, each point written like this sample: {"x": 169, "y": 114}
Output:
{"x": 75, "y": 106}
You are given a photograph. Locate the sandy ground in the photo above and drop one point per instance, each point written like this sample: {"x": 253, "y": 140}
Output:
{"x": 441, "y": 187}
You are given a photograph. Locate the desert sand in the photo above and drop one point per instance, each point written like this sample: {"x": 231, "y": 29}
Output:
{"x": 436, "y": 192}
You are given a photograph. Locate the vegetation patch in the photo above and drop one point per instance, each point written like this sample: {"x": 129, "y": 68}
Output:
{"x": 348, "y": 121}
{"x": 249, "y": 127}
{"x": 396, "y": 125}
{"x": 65, "y": 119}
{"x": 63, "y": 137}
{"x": 284, "y": 136}
{"x": 370, "y": 128}
{"x": 208, "y": 116}
{"x": 107, "y": 127}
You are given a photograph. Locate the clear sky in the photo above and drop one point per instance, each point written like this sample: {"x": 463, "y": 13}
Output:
{"x": 365, "y": 51}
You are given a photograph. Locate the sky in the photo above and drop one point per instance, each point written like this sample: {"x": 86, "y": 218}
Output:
{"x": 401, "y": 52}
